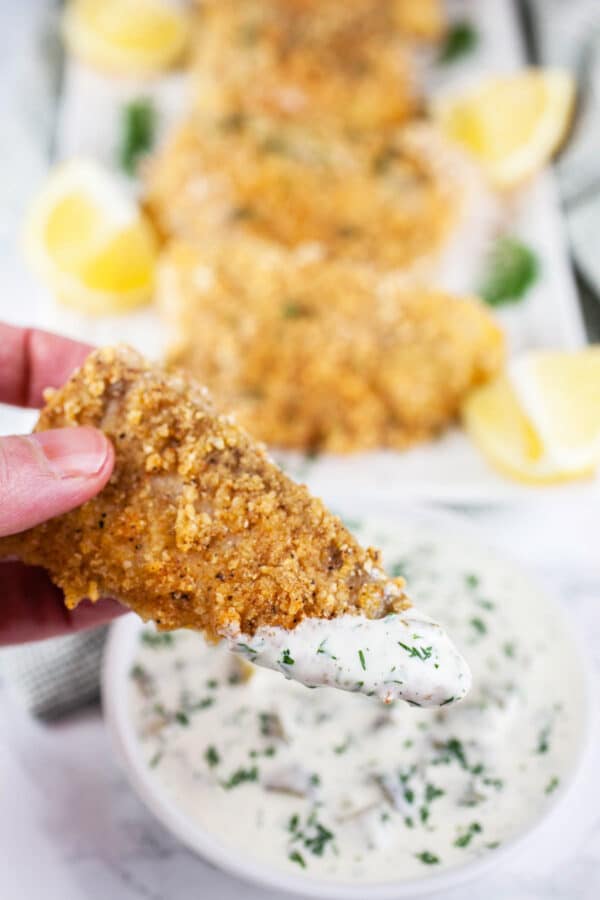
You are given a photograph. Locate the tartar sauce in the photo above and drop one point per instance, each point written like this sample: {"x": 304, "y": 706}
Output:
{"x": 340, "y": 786}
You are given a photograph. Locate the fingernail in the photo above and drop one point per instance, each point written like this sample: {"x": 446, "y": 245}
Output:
{"x": 73, "y": 452}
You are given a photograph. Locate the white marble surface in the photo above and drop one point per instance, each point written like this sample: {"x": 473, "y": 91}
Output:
{"x": 71, "y": 828}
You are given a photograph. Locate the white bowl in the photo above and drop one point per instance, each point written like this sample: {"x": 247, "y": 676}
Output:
{"x": 121, "y": 649}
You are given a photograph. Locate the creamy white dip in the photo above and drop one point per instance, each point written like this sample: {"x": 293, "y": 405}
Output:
{"x": 403, "y": 656}
{"x": 340, "y": 786}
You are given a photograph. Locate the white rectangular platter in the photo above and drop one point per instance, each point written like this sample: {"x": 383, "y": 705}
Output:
{"x": 449, "y": 469}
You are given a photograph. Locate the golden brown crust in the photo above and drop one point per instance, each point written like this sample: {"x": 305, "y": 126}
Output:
{"x": 348, "y": 64}
{"x": 323, "y": 355}
{"x": 196, "y": 528}
{"x": 389, "y": 200}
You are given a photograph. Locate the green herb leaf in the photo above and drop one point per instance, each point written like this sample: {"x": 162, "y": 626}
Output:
{"x": 461, "y": 40}
{"x": 239, "y": 777}
{"x": 432, "y": 793}
{"x": 552, "y": 785}
{"x": 479, "y": 625}
{"x": 157, "y": 638}
{"x": 429, "y": 859}
{"x": 138, "y": 132}
{"x": 287, "y": 659}
{"x": 420, "y": 652}
{"x": 297, "y": 858}
{"x": 512, "y": 268}
{"x": 465, "y": 839}
{"x": 212, "y": 756}
{"x": 361, "y": 656}
{"x": 157, "y": 758}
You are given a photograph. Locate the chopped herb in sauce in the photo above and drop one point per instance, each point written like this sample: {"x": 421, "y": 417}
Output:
{"x": 451, "y": 751}
{"x": 432, "y": 792}
{"x": 479, "y": 625}
{"x": 287, "y": 659}
{"x": 297, "y": 858}
{"x": 361, "y": 657}
{"x": 246, "y": 650}
{"x": 157, "y": 638}
{"x": 212, "y": 757}
{"x": 543, "y": 743}
{"x": 314, "y": 836}
{"x": 182, "y": 717}
{"x": 552, "y": 785}
{"x": 419, "y": 652}
{"x": 240, "y": 777}
{"x": 428, "y": 858}
{"x": 466, "y": 837}
{"x": 472, "y": 581}
{"x": 268, "y": 751}
{"x": 155, "y": 759}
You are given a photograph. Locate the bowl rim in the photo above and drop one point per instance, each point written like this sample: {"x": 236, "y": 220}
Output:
{"x": 115, "y": 671}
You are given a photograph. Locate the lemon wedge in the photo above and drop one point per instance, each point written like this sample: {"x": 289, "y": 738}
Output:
{"x": 126, "y": 37}
{"x": 540, "y": 423}
{"x": 512, "y": 125}
{"x": 89, "y": 242}
{"x": 560, "y": 392}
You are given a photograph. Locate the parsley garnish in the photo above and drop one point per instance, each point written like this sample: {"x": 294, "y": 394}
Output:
{"x": 432, "y": 792}
{"x": 472, "y": 581}
{"x": 543, "y": 744}
{"x": 212, "y": 757}
{"x": 429, "y": 859}
{"x": 319, "y": 841}
{"x": 157, "y": 758}
{"x": 465, "y": 839}
{"x": 239, "y": 777}
{"x": 361, "y": 656}
{"x": 182, "y": 718}
{"x": 479, "y": 625}
{"x": 461, "y": 40}
{"x": 452, "y": 750}
{"x": 138, "y": 132}
{"x": 552, "y": 785}
{"x": 420, "y": 652}
{"x": 245, "y": 650}
{"x": 287, "y": 659}
{"x": 297, "y": 858}
{"x": 157, "y": 638}
{"x": 512, "y": 268}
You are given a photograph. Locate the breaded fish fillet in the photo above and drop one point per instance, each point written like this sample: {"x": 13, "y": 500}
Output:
{"x": 196, "y": 528}
{"x": 323, "y": 355}
{"x": 306, "y": 60}
{"x": 396, "y": 201}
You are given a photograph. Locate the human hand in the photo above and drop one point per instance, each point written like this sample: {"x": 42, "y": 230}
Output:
{"x": 41, "y": 476}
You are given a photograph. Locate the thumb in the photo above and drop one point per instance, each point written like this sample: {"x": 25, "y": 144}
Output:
{"x": 48, "y": 473}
